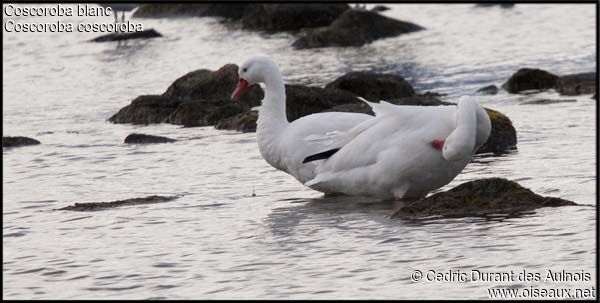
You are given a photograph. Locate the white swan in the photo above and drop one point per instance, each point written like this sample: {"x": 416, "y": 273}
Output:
{"x": 403, "y": 152}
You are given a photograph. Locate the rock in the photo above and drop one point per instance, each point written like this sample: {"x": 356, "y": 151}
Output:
{"x": 306, "y": 100}
{"x": 193, "y": 91}
{"x": 355, "y": 28}
{"x": 146, "y": 109}
{"x": 373, "y": 86}
{"x": 424, "y": 100}
{"x": 488, "y": 90}
{"x": 142, "y": 138}
{"x": 18, "y": 141}
{"x": 577, "y": 84}
{"x": 503, "y": 136}
{"x": 244, "y": 122}
{"x": 145, "y": 34}
{"x": 169, "y": 10}
{"x": 530, "y": 79}
{"x": 204, "y": 84}
{"x": 503, "y": 5}
{"x": 362, "y": 107}
{"x": 291, "y": 16}
{"x": 479, "y": 198}
{"x": 94, "y": 206}
{"x": 380, "y": 8}
{"x": 548, "y": 101}
{"x": 205, "y": 112}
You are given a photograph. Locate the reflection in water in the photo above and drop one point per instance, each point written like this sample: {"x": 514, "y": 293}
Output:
{"x": 219, "y": 240}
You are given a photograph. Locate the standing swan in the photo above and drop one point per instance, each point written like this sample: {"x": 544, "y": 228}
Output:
{"x": 404, "y": 152}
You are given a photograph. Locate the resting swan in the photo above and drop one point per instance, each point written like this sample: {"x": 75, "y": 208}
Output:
{"x": 404, "y": 152}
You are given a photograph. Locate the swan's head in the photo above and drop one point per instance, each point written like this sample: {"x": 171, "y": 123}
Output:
{"x": 454, "y": 149}
{"x": 253, "y": 71}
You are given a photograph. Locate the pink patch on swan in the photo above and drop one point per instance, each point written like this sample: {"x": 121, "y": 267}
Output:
{"x": 437, "y": 144}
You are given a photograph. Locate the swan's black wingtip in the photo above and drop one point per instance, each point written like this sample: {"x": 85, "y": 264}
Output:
{"x": 320, "y": 156}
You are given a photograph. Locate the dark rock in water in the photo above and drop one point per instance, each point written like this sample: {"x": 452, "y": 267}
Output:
{"x": 204, "y": 84}
{"x": 145, "y": 34}
{"x": 205, "y": 112}
{"x": 431, "y": 94}
{"x": 170, "y": 10}
{"x": 355, "y": 28}
{"x": 193, "y": 91}
{"x": 244, "y": 122}
{"x": 479, "y": 198}
{"x": 503, "y": 136}
{"x": 291, "y": 16}
{"x": 424, "y": 100}
{"x": 373, "y": 86}
{"x": 488, "y": 90}
{"x": 94, "y": 206}
{"x": 503, "y": 5}
{"x": 306, "y": 100}
{"x": 362, "y": 107}
{"x": 577, "y": 84}
{"x": 548, "y": 101}
{"x": 142, "y": 138}
{"x": 18, "y": 141}
{"x": 146, "y": 109}
{"x": 380, "y": 8}
{"x": 530, "y": 79}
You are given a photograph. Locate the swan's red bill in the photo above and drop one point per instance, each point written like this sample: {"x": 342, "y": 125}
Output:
{"x": 241, "y": 88}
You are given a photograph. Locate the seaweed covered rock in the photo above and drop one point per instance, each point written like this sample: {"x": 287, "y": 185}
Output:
{"x": 193, "y": 91}
{"x": 94, "y": 206}
{"x": 478, "y": 198}
{"x": 548, "y": 101}
{"x": 503, "y": 136}
{"x": 145, "y": 34}
{"x": 144, "y": 139}
{"x": 355, "y": 28}
{"x": 18, "y": 141}
{"x": 291, "y": 16}
{"x": 577, "y": 84}
{"x": 373, "y": 86}
{"x": 170, "y": 10}
{"x": 530, "y": 79}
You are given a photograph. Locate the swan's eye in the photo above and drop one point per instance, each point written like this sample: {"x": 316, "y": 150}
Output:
{"x": 244, "y": 70}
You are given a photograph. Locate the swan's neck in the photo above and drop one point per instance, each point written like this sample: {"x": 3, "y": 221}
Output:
{"x": 461, "y": 142}
{"x": 272, "y": 119}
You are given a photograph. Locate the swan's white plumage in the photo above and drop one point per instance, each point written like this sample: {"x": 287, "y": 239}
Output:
{"x": 388, "y": 155}
{"x": 391, "y": 154}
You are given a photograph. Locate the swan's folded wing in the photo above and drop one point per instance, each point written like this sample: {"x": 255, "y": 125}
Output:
{"x": 337, "y": 140}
